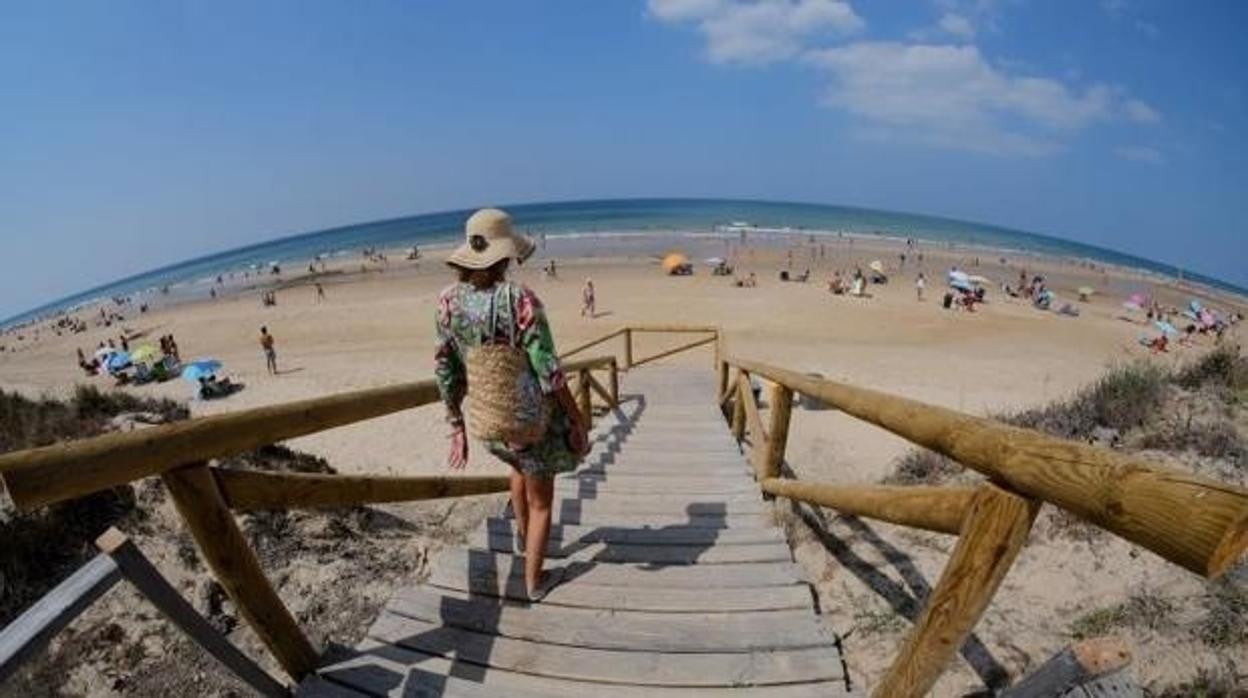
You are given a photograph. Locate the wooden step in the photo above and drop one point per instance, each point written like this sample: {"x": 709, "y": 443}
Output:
{"x": 456, "y": 567}
{"x": 638, "y": 667}
{"x": 709, "y": 553}
{"x": 643, "y": 535}
{"x": 656, "y": 599}
{"x": 601, "y": 518}
{"x": 596, "y": 486}
{"x": 388, "y": 670}
{"x": 620, "y": 630}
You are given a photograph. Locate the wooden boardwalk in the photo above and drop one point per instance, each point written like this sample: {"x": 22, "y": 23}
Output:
{"x": 678, "y": 581}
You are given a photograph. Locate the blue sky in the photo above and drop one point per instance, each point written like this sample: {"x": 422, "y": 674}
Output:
{"x": 133, "y": 135}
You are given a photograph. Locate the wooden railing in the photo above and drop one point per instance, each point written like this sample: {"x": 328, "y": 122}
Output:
{"x": 206, "y": 496}
{"x": 1191, "y": 521}
{"x": 710, "y": 334}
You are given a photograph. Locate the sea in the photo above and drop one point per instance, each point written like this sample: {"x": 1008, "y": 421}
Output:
{"x": 599, "y": 218}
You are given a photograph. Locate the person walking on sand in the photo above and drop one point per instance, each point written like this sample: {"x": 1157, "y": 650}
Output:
{"x": 320, "y": 293}
{"x": 270, "y": 353}
{"x": 494, "y": 349}
{"x": 919, "y": 284}
{"x": 588, "y": 306}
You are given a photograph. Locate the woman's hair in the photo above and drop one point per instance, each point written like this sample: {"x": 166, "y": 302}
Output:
{"x": 484, "y": 278}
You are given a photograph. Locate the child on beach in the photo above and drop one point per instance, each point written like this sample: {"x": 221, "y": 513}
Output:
{"x": 919, "y": 284}
{"x": 270, "y": 353}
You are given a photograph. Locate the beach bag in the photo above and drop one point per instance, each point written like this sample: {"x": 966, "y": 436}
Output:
{"x": 505, "y": 401}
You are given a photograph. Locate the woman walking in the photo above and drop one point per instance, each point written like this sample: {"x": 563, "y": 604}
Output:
{"x": 494, "y": 348}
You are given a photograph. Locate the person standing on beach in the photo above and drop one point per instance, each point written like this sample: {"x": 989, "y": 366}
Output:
{"x": 919, "y": 284}
{"x": 588, "y": 305}
{"x": 320, "y": 293}
{"x": 495, "y": 349}
{"x": 270, "y": 353}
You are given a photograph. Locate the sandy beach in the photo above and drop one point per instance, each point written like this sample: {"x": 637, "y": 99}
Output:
{"x": 375, "y": 328}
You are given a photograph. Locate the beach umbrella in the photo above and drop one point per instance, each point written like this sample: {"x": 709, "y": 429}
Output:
{"x": 715, "y": 261}
{"x": 144, "y": 353}
{"x": 1131, "y": 306}
{"x": 674, "y": 261}
{"x": 1166, "y": 327}
{"x": 1194, "y": 306}
{"x": 117, "y": 361}
{"x": 962, "y": 285}
{"x": 981, "y": 280}
{"x": 876, "y": 266}
{"x": 1085, "y": 292}
{"x": 200, "y": 368}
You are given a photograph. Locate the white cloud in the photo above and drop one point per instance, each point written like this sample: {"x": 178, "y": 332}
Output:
{"x": 1140, "y": 112}
{"x": 758, "y": 31}
{"x": 957, "y": 26}
{"x": 1147, "y": 28}
{"x": 951, "y": 96}
{"x": 1140, "y": 153}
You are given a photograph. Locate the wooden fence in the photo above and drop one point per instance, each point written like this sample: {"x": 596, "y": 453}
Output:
{"x": 206, "y": 497}
{"x": 1194, "y": 522}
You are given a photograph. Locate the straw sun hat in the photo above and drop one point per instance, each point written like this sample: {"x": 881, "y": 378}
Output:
{"x": 489, "y": 239}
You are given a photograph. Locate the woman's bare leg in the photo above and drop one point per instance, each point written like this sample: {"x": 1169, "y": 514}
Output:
{"x": 540, "y": 491}
{"x": 519, "y": 504}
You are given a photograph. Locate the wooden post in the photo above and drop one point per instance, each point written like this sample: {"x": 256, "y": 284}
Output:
{"x": 778, "y": 434}
{"x": 993, "y": 533}
{"x": 614, "y": 383}
{"x": 195, "y": 494}
{"x": 37, "y": 625}
{"x": 583, "y": 397}
{"x": 147, "y": 579}
{"x": 1074, "y": 666}
{"x": 628, "y": 348}
{"x": 738, "y": 413}
{"x": 723, "y": 377}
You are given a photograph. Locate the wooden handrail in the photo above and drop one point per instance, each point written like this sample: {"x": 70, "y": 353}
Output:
{"x": 41, "y": 476}
{"x": 250, "y": 490}
{"x": 940, "y": 509}
{"x": 1192, "y": 521}
{"x": 668, "y": 352}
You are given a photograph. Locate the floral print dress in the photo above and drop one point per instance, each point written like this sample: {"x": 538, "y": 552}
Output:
{"x": 467, "y": 317}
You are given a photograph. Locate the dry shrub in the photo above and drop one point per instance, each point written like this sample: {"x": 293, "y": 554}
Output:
{"x": 1126, "y": 397}
{"x": 922, "y": 467}
{"x": 43, "y": 547}
{"x": 1226, "y": 614}
{"x": 1216, "y": 438}
{"x": 1222, "y": 367}
{"x": 1143, "y": 609}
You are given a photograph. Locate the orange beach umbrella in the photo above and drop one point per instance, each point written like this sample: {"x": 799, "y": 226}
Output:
{"x": 674, "y": 261}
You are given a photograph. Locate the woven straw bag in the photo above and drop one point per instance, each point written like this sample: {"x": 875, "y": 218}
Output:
{"x": 505, "y": 402}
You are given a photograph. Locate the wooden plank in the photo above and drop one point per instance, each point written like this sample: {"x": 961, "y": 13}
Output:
{"x": 753, "y": 422}
{"x": 644, "y": 535}
{"x": 225, "y": 550}
{"x": 455, "y": 565}
{"x": 580, "y": 517}
{"x": 670, "y": 328}
{"x": 636, "y": 667}
{"x": 389, "y": 670}
{"x": 30, "y": 632}
{"x": 940, "y": 509}
{"x": 995, "y": 530}
{"x": 657, "y": 599}
{"x": 583, "y": 401}
{"x": 778, "y": 432}
{"x": 249, "y": 490}
{"x": 673, "y": 505}
{"x": 676, "y": 350}
{"x": 627, "y": 630}
{"x": 1192, "y": 521}
{"x": 692, "y": 487}
{"x": 709, "y": 553}
{"x": 143, "y": 575}
{"x": 1073, "y": 666}
{"x": 628, "y": 349}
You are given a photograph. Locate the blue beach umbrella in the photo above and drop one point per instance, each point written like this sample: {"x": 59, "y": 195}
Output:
{"x": 200, "y": 368}
{"x": 117, "y": 361}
